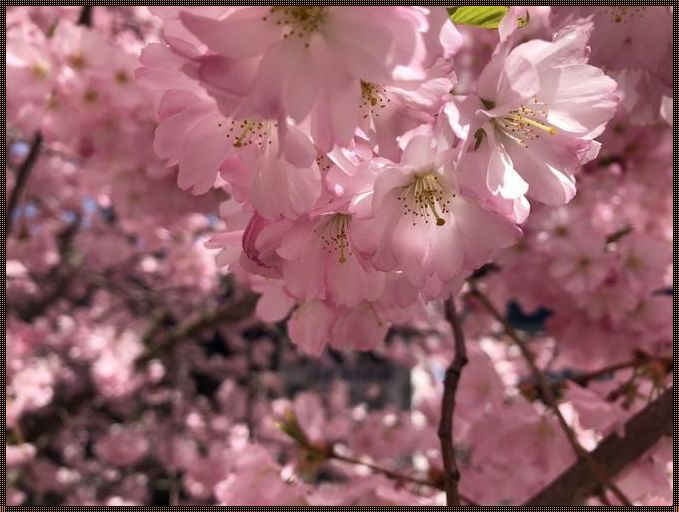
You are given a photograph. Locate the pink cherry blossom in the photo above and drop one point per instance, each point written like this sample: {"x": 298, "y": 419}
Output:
{"x": 321, "y": 263}
{"x": 422, "y": 225}
{"x": 539, "y": 107}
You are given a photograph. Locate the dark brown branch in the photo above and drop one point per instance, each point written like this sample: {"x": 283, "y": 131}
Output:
{"x": 548, "y": 394}
{"x": 22, "y": 178}
{"x": 613, "y": 454}
{"x": 85, "y": 18}
{"x": 229, "y": 313}
{"x": 451, "y": 473}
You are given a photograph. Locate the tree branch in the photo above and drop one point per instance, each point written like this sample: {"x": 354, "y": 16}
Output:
{"x": 85, "y": 18}
{"x": 613, "y": 454}
{"x": 22, "y": 178}
{"x": 548, "y": 394}
{"x": 228, "y": 313}
{"x": 451, "y": 473}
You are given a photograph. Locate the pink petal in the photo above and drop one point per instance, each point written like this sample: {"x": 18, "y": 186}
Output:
{"x": 308, "y": 327}
{"x": 274, "y": 305}
{"x": 242, "y": 34}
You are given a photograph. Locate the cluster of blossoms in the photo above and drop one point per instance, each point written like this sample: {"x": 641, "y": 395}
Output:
{"x": 362, "y": 185}
{"x": 352, "y": 166}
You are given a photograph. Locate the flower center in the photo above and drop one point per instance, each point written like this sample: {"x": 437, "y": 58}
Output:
{"x": 247, "y": 132}
{"x": 333, "y": 234}
{"x": 39, "y": 71}
{"x": 324, "y": 163}
{"x": 373, "y": 99}
{"x": 526, "y": 123}
{"x": 634, "y": 262}
{"x": 121, "y": 77}
{"x": 624, "y": 14}
{"x": 77, "y": 61}
{"x": 427, "y": 197}
{"x": 298, "y": 21}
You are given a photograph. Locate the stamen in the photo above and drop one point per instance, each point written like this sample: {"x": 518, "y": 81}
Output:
{"x": 425, "y": 197}
{"x": 373, "y": 99}
{"x": 324, "y": 163}
{"x": 439, "y": 220}
{"x": 521, "y": 125}
{"x": 527, "y": 120}
{"x": 248, "y": 132}
{"x": 238, "y": 141}
{"x": 624, "y": 14}
{"x": 334, "y": 235}
{"x": 298, "y": 21}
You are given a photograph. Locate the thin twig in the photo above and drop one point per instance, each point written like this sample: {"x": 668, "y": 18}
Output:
{"x": 550, "y": 399}
{"x": 641, "y": 360}
{"x": 22, "y": 178}
{"x": 656, "y": 365}
{"x": 451, "y": 473}
{"x": 392, "y": 475}
{"x": 395, "y": 475}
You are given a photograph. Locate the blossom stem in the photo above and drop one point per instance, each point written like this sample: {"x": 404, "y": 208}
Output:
{"x": 548, "y": 394}
{"x": 451, "y": 473}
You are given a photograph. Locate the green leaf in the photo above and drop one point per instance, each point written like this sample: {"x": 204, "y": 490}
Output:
{"x": 486, "y": 17}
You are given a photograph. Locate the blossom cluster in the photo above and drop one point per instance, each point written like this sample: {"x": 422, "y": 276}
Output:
{"x": 363, "y": 185}
{"x": 350, "y": 166}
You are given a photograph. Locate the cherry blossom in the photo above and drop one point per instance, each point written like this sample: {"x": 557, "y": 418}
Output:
{"x": 242, "y": 243}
